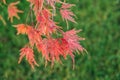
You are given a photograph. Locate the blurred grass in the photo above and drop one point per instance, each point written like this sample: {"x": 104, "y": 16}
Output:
{"x": 100, "y": 24}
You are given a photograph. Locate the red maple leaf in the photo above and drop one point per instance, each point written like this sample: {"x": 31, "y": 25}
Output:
{"x": 13, "y": 11}
{"x": 34, "y": 35}
{"x": 28, "y": 52}
{"x": 50, "y": 49}
{"x": 47, "y": 25}
{"x": 38, "y": 5}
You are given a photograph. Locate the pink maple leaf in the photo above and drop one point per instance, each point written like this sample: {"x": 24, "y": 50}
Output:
{"x": 66, "y": 13}
{"x": 66, "y": 5}
{"x": 73, "y": 40}
{"x": 52, "y": 2}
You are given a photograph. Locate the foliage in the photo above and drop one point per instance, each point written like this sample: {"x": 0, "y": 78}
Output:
{"x": 51, "y": 48}
{"x": 99, "y": 21}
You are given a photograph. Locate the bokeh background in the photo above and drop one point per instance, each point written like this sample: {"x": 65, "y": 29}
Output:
{"x": 100, "y": 24}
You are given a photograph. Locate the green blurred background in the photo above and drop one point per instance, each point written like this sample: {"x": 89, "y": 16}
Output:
{"x": 100, "y": 24}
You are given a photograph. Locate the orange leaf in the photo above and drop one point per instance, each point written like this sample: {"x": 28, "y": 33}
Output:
{"x": 21, "y": 28}
{"x": 13, "y": 11}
